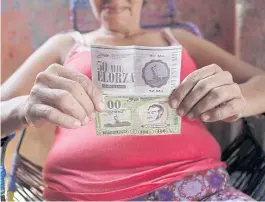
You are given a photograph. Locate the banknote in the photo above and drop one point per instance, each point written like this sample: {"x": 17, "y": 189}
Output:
{"x": 135, "y": 82}
{"x": 137, "y": 115}
{"x": 136, "y": 69}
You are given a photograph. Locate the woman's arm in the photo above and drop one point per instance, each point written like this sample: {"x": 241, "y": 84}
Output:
{"x": 251, "y": 79}
{"x": 11, "y": 120}
{"x": 205, "y": 53}
{"x": 21, "y": 82}
{"x": 60, "y": 96}
{"x": 53, "y": 51}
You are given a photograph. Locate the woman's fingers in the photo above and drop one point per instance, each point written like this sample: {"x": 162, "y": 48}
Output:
{"x": 62, "y": 100}
{"x": 230, "y": 110}
{"x": 73, "y": 87}
{"x": 189, "y": 82}
{"x": 213, "y": 99}
{"x": 84, "y": 81}
{"x": 208, "y": 86}
{"x": 42, "y": 112}
{"x": 208, "y": 93}
{"x": 63, "y": 97}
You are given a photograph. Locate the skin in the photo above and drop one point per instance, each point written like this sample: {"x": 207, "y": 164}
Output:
{"x": 223, "y": 88}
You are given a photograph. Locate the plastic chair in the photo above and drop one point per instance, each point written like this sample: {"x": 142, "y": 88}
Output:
{"x": 245, "y": 159}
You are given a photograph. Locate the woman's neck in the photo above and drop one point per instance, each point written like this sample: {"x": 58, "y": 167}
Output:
{"x": 123, "y": 33}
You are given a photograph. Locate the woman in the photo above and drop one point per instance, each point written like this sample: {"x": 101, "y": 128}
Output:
{"x": 83, "y": 166}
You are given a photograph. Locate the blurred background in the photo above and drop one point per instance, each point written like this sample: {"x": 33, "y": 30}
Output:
{"x": 235, "y": 25}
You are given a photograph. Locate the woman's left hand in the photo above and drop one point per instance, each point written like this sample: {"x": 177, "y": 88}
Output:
{"x": 210, "y": 95}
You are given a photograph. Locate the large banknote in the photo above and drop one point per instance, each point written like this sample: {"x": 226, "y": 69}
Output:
{"x": 135, "y": 82}
{"x": 136, "y": 70}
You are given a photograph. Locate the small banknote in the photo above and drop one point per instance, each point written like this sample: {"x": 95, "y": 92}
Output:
{"x": 137, "y": 115}
{"x": 135, "y": 82}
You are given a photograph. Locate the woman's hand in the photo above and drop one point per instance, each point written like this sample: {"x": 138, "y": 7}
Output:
{"x": 208, "y": 94}
{"x": 62, "y": 97}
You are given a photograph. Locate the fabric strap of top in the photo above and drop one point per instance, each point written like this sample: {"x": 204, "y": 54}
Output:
{"x": 77, "y": 36}
{"x": 169, "y": 36}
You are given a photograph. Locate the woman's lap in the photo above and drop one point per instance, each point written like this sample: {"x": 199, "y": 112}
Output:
{"x": 211, "y": 185}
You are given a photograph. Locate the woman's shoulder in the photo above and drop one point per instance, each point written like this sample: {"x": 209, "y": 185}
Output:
{"x": 62, "y": 39}
{"x": 63, "y": 43}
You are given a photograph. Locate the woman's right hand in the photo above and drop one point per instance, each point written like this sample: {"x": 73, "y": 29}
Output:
{"x": 62, "y": 97}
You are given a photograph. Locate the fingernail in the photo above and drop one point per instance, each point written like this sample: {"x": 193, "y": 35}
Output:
{"x": 93, "y": 116}
{"x": 77, "y": 124}
{"x": 190, "y": 116}
{"x": 180, "y": 112}
{"x": 86, "y": 120}
{"x": 101, "y": 106}
{"x": 205, "y": 117}
{"x": 174, "y": 104}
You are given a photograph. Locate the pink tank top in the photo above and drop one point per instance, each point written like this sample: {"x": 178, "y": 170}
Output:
{"x": 83, "y": 166}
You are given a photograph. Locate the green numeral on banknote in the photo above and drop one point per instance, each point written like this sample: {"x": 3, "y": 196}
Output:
{"x": 111, "y": 104}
